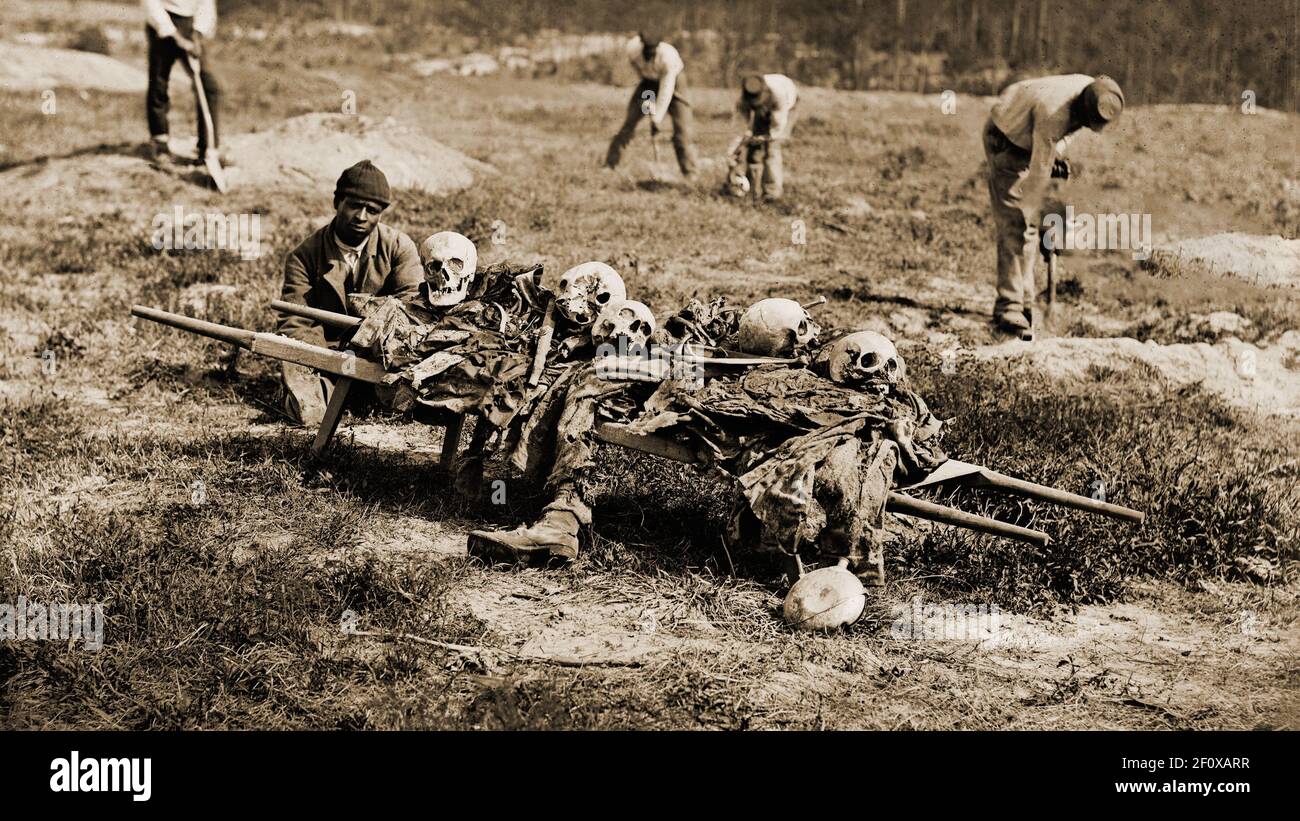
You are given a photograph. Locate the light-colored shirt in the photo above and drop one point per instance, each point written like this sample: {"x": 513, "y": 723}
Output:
{"x": 785, "y": 96}
{"x": 348, "y": 254}
{"x": 204, "y": 13}
{"x": 1035, "y": 114}
{"x": 663, "y": 67}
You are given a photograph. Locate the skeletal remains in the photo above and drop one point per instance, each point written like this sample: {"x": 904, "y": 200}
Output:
{"x": 582, "y": 291}
{"x": 776, "y": 327}
{"x": 626, "y": 319}
{"x": 592, "y": 296}
{"x": 867, "y": 361}
{"x": 450, "y": 261}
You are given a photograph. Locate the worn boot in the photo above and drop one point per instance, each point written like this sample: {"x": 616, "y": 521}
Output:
{"x": 159, "y": 151}
{"x": 1012, "y": 320}
{"x": 304, "y": 395}
{"x": 553, "y": 536}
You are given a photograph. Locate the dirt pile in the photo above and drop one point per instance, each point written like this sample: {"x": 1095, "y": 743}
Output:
{"x": 1245, "y": 376}
{"x": 1267, "y": 261}
{"x": 307, "y": 152}
{"x": 35, "y": 68}
{"x": 313, "y": 149}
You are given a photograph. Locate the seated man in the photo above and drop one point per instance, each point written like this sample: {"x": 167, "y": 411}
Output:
{"x": 354, "y": 253}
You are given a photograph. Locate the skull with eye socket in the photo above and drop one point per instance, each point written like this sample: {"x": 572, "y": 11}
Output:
{"x": 450, "y": 261}
{"x": 867, "y": 361}
{"x": 627, "y": 320}
{"x": 583, "y": 290}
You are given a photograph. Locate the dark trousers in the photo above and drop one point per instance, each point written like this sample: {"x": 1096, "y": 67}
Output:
{"x": 163, "y": 52}
{"x": 678, "y": 110}
{"x": 765, "y": 158}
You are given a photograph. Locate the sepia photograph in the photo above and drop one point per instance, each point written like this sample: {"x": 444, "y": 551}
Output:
{"x": 677, "y": 365}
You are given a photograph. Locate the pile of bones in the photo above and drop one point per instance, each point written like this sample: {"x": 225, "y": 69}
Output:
{"x": 812, "y": 429}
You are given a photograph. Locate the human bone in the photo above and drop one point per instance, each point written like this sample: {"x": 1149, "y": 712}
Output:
{"x": 866, "y": 359}
{"x": 626, "y": 318}
{"x": 825, "y": 599}
{"x": 776, "y": 327}
{"x": 583, "y": 290}
{"x": 450, "y": 262}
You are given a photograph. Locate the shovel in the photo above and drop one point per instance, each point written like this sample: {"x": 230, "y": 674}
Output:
{"x": 1051, "y": 288}
{"x": 210, "y": 159}
{"x": 657, "y": 171}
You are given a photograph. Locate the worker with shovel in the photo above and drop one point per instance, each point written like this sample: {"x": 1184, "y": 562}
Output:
{"x": 659, "y": 94}
{"x": 767, "y": 103}
{"x": 176, "y": 30}
{"x": 1024, "y": 142}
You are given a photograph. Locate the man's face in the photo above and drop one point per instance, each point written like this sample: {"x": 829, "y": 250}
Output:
{"x": 356, "y": 218}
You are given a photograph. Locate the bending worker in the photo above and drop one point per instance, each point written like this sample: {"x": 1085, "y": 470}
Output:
{"x": 767, "y": 101}
{"x": 659, "y": 94}
{"x": 1024, "y": 141}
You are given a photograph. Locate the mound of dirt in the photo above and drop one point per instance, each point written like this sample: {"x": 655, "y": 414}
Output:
{"x": 1245, "y": 376}
{"x": 313, "y": 149}
{"x": 36, "y": 68}
{"x": 1262, "y": 260}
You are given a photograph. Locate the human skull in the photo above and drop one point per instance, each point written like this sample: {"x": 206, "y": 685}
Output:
{"x": 626, "y": 318}
{"x": 825, "y": 599}
{"x": 866, "y": 360}
{"x": 737, "y": 182}
{"x": 583, "y": 290}
{"x": 776, "y": 327}
{"x": 450, "y": 261}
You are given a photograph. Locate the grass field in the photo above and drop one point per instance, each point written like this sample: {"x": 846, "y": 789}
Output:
{"x": 151, "y": 472}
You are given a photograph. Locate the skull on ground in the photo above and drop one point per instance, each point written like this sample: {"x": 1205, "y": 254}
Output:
{"x": 583, "y": 290}
{"x": 866, "y": 360}
{"x": 450, "y": 261}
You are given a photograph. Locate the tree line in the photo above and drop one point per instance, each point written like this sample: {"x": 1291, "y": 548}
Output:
{"x": 1176, "y": 51}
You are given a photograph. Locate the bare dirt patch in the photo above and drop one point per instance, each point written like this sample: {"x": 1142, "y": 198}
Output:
{"x": 313, "y": 149}
{"x": 35, "y": 68}
{"x": 1244, "y": 375}
{"x": 1266, "y": 261}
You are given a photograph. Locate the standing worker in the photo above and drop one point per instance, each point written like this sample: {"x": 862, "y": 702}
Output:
{"x": 176, "y": 29}
{"x": 767, "y": 102}
{"x": 1024, "y": 142}
{"x": 659, "y": 94}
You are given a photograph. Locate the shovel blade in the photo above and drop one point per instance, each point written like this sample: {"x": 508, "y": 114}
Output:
{"x": 215, "y": 171}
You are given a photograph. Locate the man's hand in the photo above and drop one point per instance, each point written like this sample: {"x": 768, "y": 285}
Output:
{"x": 193, "y": 47}
{"x": 1061, "y": 169}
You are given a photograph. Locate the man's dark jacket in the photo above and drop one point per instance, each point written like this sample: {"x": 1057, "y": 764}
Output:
{"x": 316, "y": 276}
